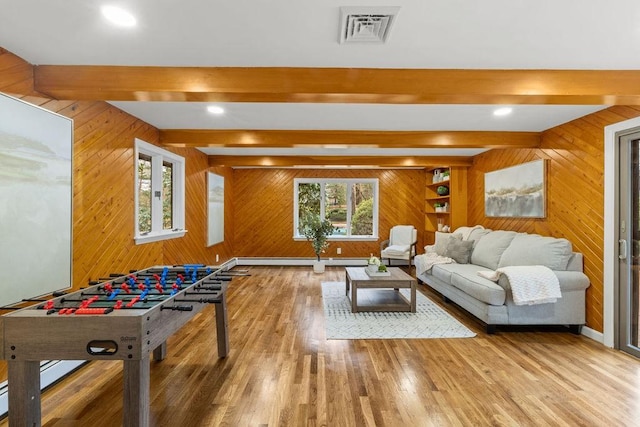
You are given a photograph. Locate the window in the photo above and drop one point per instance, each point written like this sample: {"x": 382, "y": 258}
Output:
{"x": 159, "y": 194}
{"x": 350, "y": 204}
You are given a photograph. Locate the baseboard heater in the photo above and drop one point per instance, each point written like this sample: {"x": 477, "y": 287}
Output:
{"x": 298, "y": 261}
{"x": 276, "y": 261}
{"x": 51, "y": 371}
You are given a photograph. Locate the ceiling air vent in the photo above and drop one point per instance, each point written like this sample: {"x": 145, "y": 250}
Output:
{"x": 366, "y": 24}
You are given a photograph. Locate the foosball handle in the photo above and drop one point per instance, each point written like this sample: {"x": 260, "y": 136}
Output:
{"x": 178, "y": 308}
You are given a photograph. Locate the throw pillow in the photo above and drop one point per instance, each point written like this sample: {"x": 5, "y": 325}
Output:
{"x": 442, "y": 239}
{"x": 459, "y": 250}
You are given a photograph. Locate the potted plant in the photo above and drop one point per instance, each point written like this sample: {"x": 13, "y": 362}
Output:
{"x": 442, "y": 190}
{"x": 374, "y": 265}
{"x": 317, "y": 231}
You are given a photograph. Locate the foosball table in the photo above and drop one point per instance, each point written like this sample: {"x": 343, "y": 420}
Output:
{"x": 124, "y": 317}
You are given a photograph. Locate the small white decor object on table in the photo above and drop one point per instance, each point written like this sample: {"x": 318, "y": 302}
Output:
{"x": 375, "y": 268}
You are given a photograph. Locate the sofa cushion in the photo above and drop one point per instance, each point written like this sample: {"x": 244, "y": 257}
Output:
{"x": 532, "y": 249}
{"x": 478, "y": 287}
{"x": 488, "y": 250}
{"x": 459, "y": 250}
{"x": 477, "y": 234}
{"x": 444, "y": 271}
{"x": 442, "y": 240}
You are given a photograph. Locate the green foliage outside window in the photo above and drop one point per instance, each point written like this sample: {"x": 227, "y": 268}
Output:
{"x": 342, "y": 200}
{"x": 144, "y": 194}
{"x": 167, "y": 196}
{"x": 362, "y": 220}
{"x": 308, "y": 199}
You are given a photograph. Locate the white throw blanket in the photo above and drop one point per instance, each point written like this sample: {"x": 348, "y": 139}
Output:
{"x": 396, "y": 250}
{"x": 530, "y": 284}
{"x": 424, "y": 262}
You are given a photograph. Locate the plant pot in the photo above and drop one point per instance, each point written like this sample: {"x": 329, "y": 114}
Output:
{"x": 372, "y": 268}
{"x": 318, "y": 266}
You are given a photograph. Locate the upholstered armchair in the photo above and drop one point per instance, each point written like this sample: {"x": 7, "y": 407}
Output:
{"x": 401, "y": 244}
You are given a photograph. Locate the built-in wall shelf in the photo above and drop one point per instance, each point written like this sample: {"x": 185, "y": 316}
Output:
{"x": 448, "y": 209}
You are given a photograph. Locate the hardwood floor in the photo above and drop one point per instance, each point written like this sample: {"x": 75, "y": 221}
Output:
{"x": 282, "y": 371}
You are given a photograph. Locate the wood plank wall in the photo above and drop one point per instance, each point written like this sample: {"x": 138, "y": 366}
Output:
{"x": 575, "y": 192}
{"x": 103, "y": 187}
{"x": 263, "y": 206}
{"x": 260, "y": 220}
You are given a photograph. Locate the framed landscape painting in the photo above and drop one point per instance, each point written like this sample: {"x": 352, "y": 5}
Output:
{"x": 516, "y": 192}
{"x": 215, "y": 209}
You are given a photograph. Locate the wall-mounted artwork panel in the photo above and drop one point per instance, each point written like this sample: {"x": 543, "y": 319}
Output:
{"x": 36, "y": 148}
{"x": 516, "y": 191}
{"x": 215, "y": 209}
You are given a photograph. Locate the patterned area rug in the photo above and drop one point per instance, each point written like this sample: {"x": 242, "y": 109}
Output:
{"x": 429, "y": 320}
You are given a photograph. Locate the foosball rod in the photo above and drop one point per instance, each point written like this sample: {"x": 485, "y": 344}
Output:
{"x": 55, "y": 294}
{"x": 201, "y": 300}
{"x": 63, "y": 300}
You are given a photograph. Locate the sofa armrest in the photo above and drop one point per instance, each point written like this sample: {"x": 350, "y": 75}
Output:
{"x": 572, "y": 280}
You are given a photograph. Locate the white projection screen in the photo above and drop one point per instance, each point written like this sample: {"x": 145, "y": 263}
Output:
{"x": 36, "y": 148}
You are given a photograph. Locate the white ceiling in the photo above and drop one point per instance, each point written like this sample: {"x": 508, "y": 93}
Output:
{"x": 489, "y": 34}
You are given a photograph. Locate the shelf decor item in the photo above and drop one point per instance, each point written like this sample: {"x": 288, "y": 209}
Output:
{"x": 442, "y": 190}
{"x": 436, "y": 176}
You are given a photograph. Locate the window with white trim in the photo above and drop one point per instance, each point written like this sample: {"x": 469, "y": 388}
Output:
{"x": 350, "y": 204}
{"x": 159, "y": 193}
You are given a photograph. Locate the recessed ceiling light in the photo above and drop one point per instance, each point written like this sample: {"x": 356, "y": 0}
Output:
{"x": 118, "y": 16}
{"x": 215, "y": 109}
{"x": 503, "y": 111}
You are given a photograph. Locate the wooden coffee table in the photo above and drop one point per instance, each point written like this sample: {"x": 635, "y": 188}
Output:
{"x": 357, "y": 278}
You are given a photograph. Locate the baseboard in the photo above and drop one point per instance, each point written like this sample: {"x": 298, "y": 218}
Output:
{"x": 274, "y": 261}
{"x": 228, "y": 265}
{"x": 291, "y": 261}
{"x": 593, "y": 334}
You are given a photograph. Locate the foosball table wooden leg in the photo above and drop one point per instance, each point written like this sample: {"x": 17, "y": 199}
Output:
{"x": 24, "y": 393}
{"x": 135, "y": 407}
{"x": 222, "y": 326}
{"x": 160, "y": 352}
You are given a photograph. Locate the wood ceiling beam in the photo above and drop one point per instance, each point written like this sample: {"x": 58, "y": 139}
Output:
{"x": 378, "y": 139}
{"x": 339, "y": 85}
{"x": 336, "y": 161}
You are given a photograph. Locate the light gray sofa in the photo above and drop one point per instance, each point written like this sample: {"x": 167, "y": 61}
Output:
{"x": 492, "y": 302}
